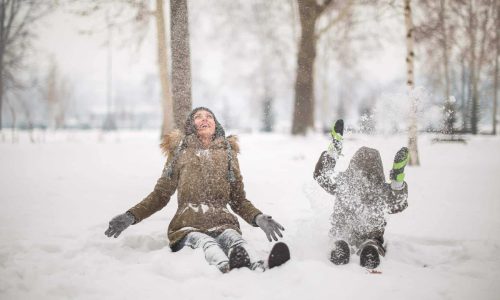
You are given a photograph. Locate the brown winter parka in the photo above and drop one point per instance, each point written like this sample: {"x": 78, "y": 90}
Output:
{"x": 203, "y": 189}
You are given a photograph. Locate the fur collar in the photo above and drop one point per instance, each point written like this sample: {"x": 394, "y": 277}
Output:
{"x": 171, "y": 140}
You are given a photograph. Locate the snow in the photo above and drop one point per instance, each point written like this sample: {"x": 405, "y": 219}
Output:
{"x": 57, "y": 197}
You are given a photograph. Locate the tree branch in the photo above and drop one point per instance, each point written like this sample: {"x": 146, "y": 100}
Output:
{"x": 341, "y": 16}
{"x": 12, "y": 15}
{"x": 22, "y": 24}
{"x": 321, "y": 8}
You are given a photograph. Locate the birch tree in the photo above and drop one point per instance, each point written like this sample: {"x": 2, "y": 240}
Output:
{"x": 410, "y": 82}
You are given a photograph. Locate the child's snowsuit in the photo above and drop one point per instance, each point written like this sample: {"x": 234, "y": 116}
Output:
{"x": 362, "y": 197}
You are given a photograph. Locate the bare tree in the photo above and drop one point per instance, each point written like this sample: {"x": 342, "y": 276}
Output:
{"x": 57, "y": 93}
{"x": 168, "y": 114}
{"x": 309, "y": 13}
{"x": 109, "y": 121}
{"x": 463, "y": 30}
{"x": 181, "y": 61}
{"x": 258, "y": 39}
{"x": 449, "y": 109}
{"x": 268, "y": 18}
{"x": 17, "y": 18}
{"x": 410, "y": 55}
{"x": 267, "y": 114}
{"x": 478, "y": 22}
{"x": 436, "y": 30}
{"x": 13, "y": 115}
{"x": 139, "y": 20}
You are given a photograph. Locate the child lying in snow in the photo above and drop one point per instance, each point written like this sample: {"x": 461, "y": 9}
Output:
{"x": 362, "y": 199}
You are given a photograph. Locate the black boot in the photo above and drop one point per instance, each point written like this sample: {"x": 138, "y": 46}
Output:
{"x": 341, "y": 253}
{"x": 369, "y": 257}
{"x": 279, "y": 255}
{"x": 238, "y": 258}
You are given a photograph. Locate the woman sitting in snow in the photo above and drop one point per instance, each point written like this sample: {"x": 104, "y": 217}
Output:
{"x": 362, "y": 199}
{"x": 202, "y": 166}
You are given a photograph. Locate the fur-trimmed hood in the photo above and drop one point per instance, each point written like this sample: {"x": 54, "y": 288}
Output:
{"x": 171, "y": 141}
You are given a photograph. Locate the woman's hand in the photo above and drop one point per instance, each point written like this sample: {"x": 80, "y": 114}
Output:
{"x": 119, "y": 224}
{"x": 269, "y": 226}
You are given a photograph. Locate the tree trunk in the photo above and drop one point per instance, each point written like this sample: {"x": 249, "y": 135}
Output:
{"x": 474, "y": 117}
{"x": 303, "y": 116}
{"x": 14, "y": 120}
{"x": 442, "y": 16}
{"x": 472, "y": 69}
{"x": 449, "y": 108}
{"x": 464, "y": 89}
{"x": 2, "y": 52}
{"x": 1, "y": 92}
{"x": 325, "y": 118}
{"x": 166, "y": 100}
{"x": 495, "y": 88}
{"x": 479, "y": 66}
{"x": 410, "y": 55}
{"x": 109, "y": 122}
{"x": 181, "y": 63}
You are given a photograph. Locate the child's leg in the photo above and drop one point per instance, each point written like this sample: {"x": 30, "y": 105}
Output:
{"x": 230, "y": 238}
{"x": 213, "y": 252}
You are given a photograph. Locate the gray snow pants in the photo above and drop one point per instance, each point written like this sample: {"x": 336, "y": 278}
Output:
{"x": 217, "y": 249}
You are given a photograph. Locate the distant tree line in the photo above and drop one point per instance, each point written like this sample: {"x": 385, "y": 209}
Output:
{"x": 452, "y": 47}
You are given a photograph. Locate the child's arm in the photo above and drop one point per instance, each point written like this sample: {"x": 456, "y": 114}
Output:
{"x": 324, "y": 167}
{"x": 397, "y": 190}
{"x": 323, "y": 172}
{"x": 396, "y": 199}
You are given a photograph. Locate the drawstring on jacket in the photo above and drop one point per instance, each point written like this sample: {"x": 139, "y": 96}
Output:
{"x": 230, "y": 173}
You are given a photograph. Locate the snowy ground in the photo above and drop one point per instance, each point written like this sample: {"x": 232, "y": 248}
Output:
{"x": 58, "y": 196}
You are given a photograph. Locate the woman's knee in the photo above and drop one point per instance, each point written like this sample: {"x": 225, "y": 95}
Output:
{"x": 198, "y": 239}
{"x": 230, "y": 238}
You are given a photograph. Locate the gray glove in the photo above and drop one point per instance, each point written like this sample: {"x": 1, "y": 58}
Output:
{"x": 119, "y": 224}
{"x": 269, "y": 226}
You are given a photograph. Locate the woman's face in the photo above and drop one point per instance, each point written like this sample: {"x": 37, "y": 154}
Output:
{"x": 204, "y": 123}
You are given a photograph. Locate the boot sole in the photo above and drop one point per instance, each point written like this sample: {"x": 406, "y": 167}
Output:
{"x": 279, "y": 255}
{"x": 369, "y": 257}
{"x": 238, "y": 258}
{"x": 340, "y": 259}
